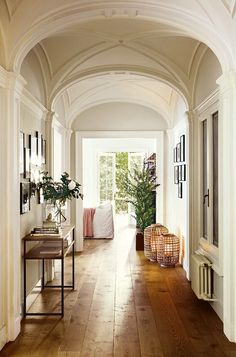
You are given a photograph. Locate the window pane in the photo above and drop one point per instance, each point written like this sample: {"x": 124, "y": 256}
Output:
{"x": 205, "y": 185}
{"x": 215, "y": 178}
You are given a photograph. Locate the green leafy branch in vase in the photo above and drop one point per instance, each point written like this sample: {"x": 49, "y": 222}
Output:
{"x": 57, "y": 192}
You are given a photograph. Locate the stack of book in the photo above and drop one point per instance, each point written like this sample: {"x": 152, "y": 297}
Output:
{"x": 52, "y": 231}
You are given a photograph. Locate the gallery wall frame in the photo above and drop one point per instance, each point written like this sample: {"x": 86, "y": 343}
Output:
{"x": 180, "y": 190}
{"x": 25, "y": 197}
{"x": 182, "y": 148}
{"x": 21, "y": 159}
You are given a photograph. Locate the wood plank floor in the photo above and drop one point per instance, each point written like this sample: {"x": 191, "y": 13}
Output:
{"x": 123, "y": 305}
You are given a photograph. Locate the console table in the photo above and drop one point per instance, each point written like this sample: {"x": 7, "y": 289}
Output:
{"x": 50, "y": 247}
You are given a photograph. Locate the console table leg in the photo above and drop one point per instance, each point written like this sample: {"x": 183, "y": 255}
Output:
{"x": 62, "y": 286}
{"x": 43, "y": 274}
{"x": 24, "y": 308}
{"x": 73, "y": 267}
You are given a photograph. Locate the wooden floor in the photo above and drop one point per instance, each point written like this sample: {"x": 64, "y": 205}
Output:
{"x": 123, "y": 305}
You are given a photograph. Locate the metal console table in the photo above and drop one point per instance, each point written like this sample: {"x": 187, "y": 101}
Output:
{"x": 49, "y": 248}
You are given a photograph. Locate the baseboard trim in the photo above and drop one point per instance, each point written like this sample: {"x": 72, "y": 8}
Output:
{"x": 3, "y": 336}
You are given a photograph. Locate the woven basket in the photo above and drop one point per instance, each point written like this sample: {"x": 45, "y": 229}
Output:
{"x": 151, "y": 236}
{"x": 168, "y": 250}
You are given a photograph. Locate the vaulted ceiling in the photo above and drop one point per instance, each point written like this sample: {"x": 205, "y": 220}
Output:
{"x": 103, "y": 51}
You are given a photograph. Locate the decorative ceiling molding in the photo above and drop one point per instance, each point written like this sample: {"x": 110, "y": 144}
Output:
{"x": 194, "y": 24}
{"x": 230, "y": 6}
{"x": 12, "y": 6}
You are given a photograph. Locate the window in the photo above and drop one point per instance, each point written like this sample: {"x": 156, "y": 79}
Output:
{"x": 210, "y": 180}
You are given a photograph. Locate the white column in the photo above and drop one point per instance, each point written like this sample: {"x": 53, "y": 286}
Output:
{"x": 10, "y": 202}
{"x": 51, "y": 118}
{"x": 227, "y": 198}
{"x": 79, "y": 202}
{"x": 192, "y": 178}
{"x": 67, "y": 156}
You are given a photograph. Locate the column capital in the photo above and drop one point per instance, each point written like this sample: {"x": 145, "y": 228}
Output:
{"x": 68, "y": 133}
{"x": 227, "y": 81}
{"x": 12, "y": 81}
{"x": 190, "y": 115}
{"x": 51, "y": 118}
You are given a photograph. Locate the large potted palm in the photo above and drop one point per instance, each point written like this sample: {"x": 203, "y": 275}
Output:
{"x": 140, "y": 188}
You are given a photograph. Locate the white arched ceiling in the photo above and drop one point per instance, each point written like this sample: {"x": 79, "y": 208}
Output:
{"x": 77, "y": 42}
{"x": 119, "y": 116}
{"x": 27, "y": 23}
{"x": 115, "y": 88}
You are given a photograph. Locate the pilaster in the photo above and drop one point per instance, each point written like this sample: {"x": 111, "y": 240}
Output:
{"x": 227, "y": 197}
{"x": 11, "y": 90}
{"x": 51, "y": 117}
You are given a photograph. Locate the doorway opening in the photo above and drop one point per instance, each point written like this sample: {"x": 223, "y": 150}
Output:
{"x": 105, "y": 161}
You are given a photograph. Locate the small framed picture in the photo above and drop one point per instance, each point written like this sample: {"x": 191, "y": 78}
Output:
{"x": 183, "y": 172}
{"x": 175, "y": 154}
{"x": 26, "y": 163}
{"x": 176, "y": 174}
{"x": 33, "y": 150}
{"x": 180, "y": 190}
{"x": 182, "y": 148}
{"x": 24, "y": 197}
{"x": 178, "y": 149}
{"x": 22, "y": 145}
{"x": 43, "y": 151}
{"x": 180, "y": 172}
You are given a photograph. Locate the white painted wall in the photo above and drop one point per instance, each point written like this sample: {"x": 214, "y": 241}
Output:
{"x": 176, "y": 209}
{"x": 30, "y": 123}
{"x": 119, "y": 116}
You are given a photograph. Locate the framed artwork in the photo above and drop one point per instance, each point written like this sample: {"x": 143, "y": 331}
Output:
{"x": 21, "y": 159}
{"x": 175, "y": 154}
{"x": 33, "y": 150}
{"x": 182, "y": 148}
{"x": 43, "y": 151}
{"x": 180, "y": 190}
{"x": 26, "y": 163}
{"x": 183, "y": 172}
{"x": 176, "y": 174}
{"x": 180, "y": 173}
{"x": 24, "y": 197}
{"x": 38, "y": 147}
{"x": 178, "y": 149}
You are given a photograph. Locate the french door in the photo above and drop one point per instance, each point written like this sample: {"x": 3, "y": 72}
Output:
{"x": 209, "y": 180}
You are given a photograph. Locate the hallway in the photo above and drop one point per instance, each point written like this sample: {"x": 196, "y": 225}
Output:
{"x": 124, "y": 305}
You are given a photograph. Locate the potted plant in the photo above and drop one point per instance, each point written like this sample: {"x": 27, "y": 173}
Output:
{"x": 56, "y": 193}
{"x": 140, "y": 188}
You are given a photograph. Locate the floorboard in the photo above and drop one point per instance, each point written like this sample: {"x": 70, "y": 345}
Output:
{"x": 123, "y": 305}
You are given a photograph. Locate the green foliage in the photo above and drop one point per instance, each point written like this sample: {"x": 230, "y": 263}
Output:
{"x": 139, "y": 187}
{"x": 59, "y": 191}
{"x": 121, "y": 171}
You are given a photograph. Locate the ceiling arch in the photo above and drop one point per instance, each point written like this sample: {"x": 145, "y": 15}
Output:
{"x": 193, "y": 24}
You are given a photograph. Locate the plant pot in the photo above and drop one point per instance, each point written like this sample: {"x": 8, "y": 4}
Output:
{"x": 139, "y": 240}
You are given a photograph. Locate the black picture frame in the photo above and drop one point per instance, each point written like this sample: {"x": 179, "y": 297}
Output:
{"x": 183, "y": 172}
{"x": 180, "y": 190}
{"x": 175, "y": 154}
{"x": 43, "y": 147}
{"x": 176, "y": 174}
{"x": 25, "y": 193}
{"x": 180, "y": 173}
{"x": 178, "y": 150}
{"x": 182, "y": 148}
{"x": 26, "y": 163}
{"x": 33, "y": 150}
{"x": 21, "y": 153}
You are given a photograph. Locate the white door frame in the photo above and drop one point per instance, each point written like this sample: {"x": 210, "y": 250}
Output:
{"x": 80, "y": 135}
